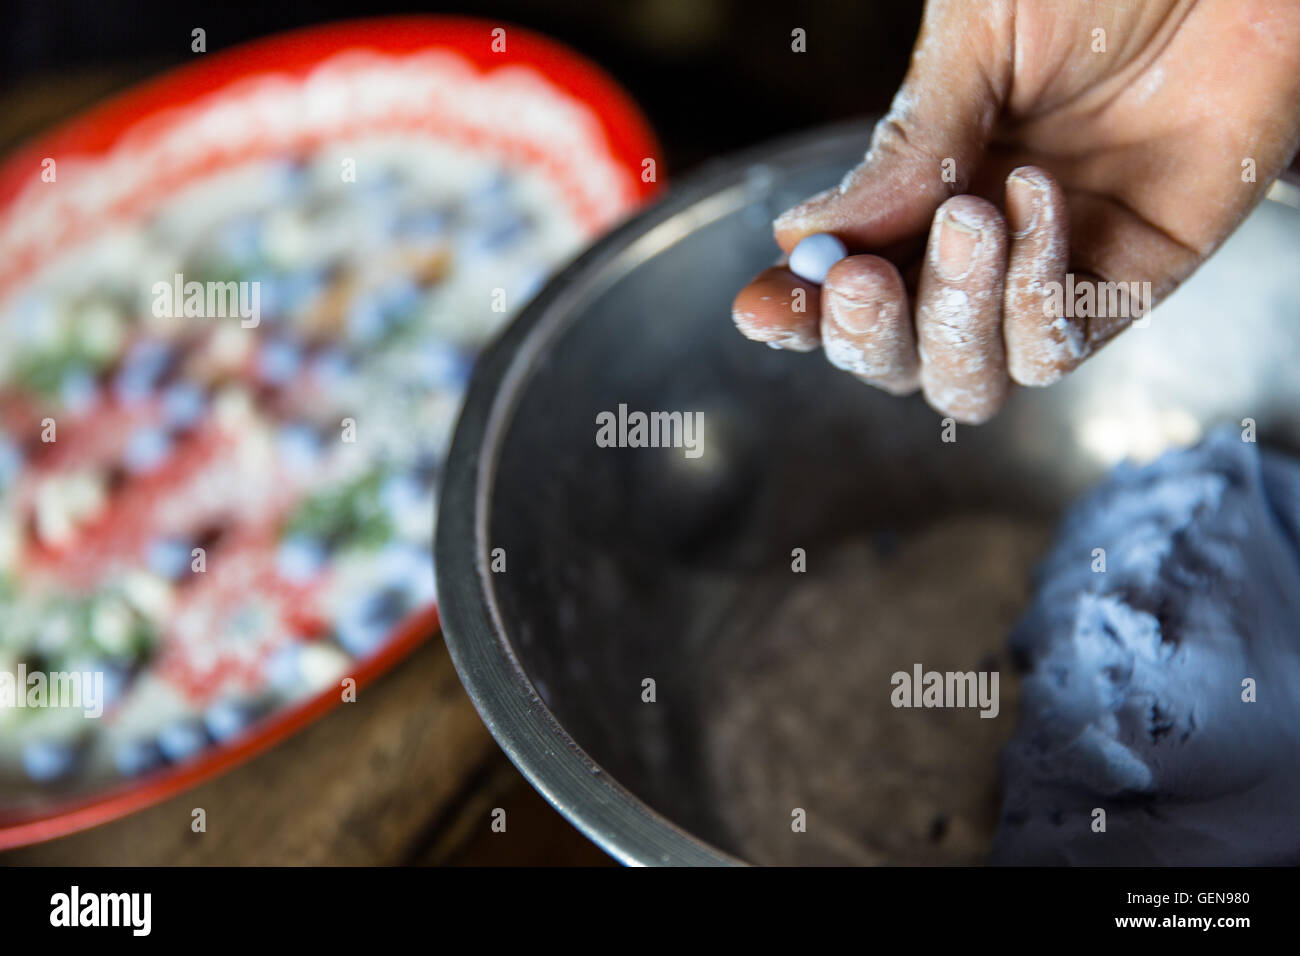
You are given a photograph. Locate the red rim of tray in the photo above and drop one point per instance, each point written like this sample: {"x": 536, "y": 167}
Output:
{"x": 96, "y": 131}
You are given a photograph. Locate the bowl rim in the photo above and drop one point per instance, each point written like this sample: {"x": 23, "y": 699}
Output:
{"x": 95, "y": 130}
{"x": 535, "y": 741}
{"x": 605, "y": 810}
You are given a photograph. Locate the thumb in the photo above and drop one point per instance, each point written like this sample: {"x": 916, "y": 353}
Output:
{"x": 926, "y": 148}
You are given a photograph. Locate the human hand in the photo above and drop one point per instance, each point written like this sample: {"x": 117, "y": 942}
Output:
{"x": 1121, "y": 156}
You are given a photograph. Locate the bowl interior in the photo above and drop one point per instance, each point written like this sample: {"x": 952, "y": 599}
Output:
{"x": 771, "y": 683}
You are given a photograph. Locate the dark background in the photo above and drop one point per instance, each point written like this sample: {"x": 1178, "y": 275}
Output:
{"x": 712, "y": 75}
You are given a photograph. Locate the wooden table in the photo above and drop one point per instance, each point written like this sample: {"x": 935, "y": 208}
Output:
{"x": 406, "y": 775}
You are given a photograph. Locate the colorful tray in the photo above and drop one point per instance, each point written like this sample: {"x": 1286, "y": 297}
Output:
{"x": 234, "y": 514}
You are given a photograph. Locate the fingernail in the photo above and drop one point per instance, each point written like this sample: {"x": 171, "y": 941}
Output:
{"x": 1028, "y": 195}
{"x": 957, "y": 246}
{"x": 853, "y": 315}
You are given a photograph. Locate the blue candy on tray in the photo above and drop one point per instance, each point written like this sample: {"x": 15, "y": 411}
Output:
{"x": 278, "y": 361}
{"x": 11, "y": 461}
{"x": 182, "y": 740}
{"x": 168, "y": 558}
{"x": 299, "y": 447}
{"x": 141, "y": 370}
{"x": 298, "y": 558}
{"x": 227, "y": 718}
{"x": 368, "y": 619}
{"x": 183, "y": 404}
{"x": 146, "y": 449}
{"x": 78, "y": 391}
{"x": 49, "y": 760}
{"x": 134, "y": 757}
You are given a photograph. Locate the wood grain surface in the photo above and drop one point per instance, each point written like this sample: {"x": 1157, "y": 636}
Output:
{"x": 407, "y": 774}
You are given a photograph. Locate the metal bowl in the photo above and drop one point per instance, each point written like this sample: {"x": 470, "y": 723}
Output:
{"x": 628, "y": 564}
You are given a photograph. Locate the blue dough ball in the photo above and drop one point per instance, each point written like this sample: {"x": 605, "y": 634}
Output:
{"x": 813, "y": 257}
